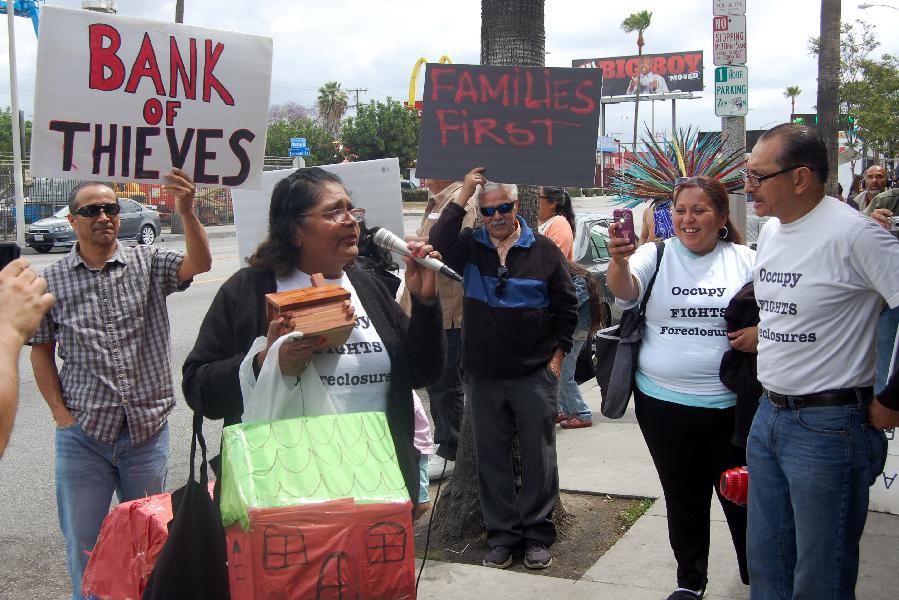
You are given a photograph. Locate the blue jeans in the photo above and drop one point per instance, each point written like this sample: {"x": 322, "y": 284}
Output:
{"x": 809, "y": 474}
{"x": 571, "y": 403}
{"x": 87, "y": 473}
{"x": 887, "y": 324}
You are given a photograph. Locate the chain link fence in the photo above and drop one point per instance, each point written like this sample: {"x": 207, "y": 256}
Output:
{"x": 45, "y": 196}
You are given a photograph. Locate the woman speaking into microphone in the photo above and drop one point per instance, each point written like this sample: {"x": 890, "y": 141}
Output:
{"x": 314, "y": 228}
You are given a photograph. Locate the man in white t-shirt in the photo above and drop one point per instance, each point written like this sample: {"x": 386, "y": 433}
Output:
{"x": 820, "y": 273}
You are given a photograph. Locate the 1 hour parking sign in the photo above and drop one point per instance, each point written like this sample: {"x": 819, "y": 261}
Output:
{"x": 731, "y": 91}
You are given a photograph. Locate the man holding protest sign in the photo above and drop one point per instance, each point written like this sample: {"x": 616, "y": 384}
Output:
{"x": 114, "y": 392}
{"x": 520, "y": 311}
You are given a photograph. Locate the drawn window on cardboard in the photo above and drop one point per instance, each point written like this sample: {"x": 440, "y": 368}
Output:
{"x": 386, "y": 543}
{"x": 333, "y": 578}
{"x": 283, "y": 546}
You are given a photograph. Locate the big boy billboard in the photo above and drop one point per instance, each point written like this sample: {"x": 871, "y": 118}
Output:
{"x": 659, "y": 73}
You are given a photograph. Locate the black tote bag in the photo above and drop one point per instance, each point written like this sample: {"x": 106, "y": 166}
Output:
{"x": 193, "y": 563}
{"x": 616, "y": 378}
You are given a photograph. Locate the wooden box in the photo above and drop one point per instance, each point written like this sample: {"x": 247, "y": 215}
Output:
{"x": 317, "y": 311}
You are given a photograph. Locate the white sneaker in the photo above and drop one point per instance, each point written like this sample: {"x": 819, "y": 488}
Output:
{"x": 436, "y": 469}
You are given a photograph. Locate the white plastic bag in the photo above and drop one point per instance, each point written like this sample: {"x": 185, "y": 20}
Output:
{"x": 274, "y": 396}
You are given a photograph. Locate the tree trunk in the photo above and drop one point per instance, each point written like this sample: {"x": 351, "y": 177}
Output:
{"x": 512, "y": 33}
{"x": 829, "y": 87}
{"x": 792, "y": 106}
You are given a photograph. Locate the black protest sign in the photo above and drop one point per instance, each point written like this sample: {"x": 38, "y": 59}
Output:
{"x": 526, "y": 125}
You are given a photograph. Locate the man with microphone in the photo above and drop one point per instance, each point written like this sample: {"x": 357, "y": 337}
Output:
{"x": 520, "y": 311}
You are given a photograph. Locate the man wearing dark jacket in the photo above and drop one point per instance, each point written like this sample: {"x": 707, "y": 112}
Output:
{"x": 519, "y": 314}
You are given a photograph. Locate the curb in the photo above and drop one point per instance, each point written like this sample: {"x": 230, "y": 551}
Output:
{"x": 211, "y": 234}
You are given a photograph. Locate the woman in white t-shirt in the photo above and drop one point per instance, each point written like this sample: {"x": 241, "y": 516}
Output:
{"x": 685, "y": 413}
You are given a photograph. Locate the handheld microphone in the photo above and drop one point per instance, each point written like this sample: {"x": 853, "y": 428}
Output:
{"x": 390, "y": 241}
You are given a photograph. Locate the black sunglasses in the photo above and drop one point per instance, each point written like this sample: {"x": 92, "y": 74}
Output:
{"x": 502, "y": 275}
{"x": 504, "y": 209}
{"x": 93, "y": 210}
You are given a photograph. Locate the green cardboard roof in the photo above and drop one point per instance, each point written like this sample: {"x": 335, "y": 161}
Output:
{"x": 308, "y": 460}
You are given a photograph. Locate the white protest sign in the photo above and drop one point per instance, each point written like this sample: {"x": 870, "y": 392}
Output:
{"x": 728, "y": 7}
{"x": 123, "y": 99}
{"x": 731, "y": 91}
{"x": 373, "y": 185}
{"x": 729, "y": 40}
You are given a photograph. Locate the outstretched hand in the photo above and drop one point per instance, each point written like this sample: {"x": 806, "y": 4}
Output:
{"x": 182, "y": 186}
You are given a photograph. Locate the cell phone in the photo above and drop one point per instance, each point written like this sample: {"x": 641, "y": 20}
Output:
{"x": 9, "y": 251}
{"x": 624, "y": 217}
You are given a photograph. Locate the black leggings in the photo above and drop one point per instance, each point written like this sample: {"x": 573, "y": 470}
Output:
{"x": 691, "y": 447}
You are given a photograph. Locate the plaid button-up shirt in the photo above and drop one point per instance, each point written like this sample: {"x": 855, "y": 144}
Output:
{"x": 112, "y": 329}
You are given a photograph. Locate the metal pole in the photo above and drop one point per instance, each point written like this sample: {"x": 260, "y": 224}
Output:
{"x": 673, "y": 116}
{"x": 16, "y": 140}
{"x": 602, "y": 156}
{"x": 653, "y": 120}
{"x": 733, "y": 133}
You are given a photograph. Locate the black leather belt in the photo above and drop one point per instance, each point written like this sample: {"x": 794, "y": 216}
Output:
{"x": 840, "y": 397}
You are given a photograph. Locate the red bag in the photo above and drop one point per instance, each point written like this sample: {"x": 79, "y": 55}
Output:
{"x": 336, "y": 549}
{"x": 131, "y": 538}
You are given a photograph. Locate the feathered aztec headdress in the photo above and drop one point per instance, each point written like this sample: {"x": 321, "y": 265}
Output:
{"x": 651, "y": 175}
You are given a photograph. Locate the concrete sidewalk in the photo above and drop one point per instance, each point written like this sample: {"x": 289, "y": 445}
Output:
{"x": 611, "y": 458}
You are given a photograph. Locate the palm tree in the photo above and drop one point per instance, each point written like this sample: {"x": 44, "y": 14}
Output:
{"x": 638, "y": 22}
{"x": 332, "y": 104}
{"x": 829, "y": 87}
{"x": 792, "y": 92}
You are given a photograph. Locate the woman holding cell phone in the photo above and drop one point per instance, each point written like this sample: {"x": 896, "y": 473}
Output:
{"x": 685, "y": 412}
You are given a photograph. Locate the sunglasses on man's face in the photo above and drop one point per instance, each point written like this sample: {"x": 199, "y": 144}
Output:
{"x": 503, "y": 209}
{"x": 93, "y": 210}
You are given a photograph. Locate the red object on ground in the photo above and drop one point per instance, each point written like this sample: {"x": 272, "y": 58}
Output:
{"x": 130, "y": 541}
{"x": 336, "y": 549}
{"x": 735, "y": 485}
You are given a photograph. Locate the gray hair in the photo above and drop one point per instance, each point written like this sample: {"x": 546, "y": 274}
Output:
{"x": 510, "y": 189}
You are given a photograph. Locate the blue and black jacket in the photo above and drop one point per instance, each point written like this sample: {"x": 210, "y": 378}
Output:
{"x": 517, "y": 333}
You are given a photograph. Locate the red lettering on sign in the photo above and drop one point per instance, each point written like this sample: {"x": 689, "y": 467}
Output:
{"x": 693, "y": 61}
{"x": 466, "y": 89}
{"x": 659, "y": 65}
{"x": 210, "y": 81}
{"x": 485, "y": 127}
{"x": 493, "y": 93}
{"x": 608, "y": 69}
{"x": 153, "y": 111}
{"x": 529, "y": 100}
{"x": 558, "y": 94}
{"x": 528, "y": 136}
{"x": 105, "y": 57}
{"x": 589, "y": 103}
{"x": 549, "y": 124}
{"x": 676, "y": 64}
{"x": 145, "y": 65}
{"x": 447, "y": 127}
{"x": 171, "y": 111}
{"x": 176, "y": 69}
{"x": 436, "y": 86}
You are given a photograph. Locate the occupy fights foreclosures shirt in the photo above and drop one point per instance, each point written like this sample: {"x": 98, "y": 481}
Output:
{"x": 356, "y": 374}
{"x": 685, "y": 334}
{"x": 818, "y": 283}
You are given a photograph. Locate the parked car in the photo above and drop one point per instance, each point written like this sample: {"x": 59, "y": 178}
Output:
{"x": 137, "y": 222}
{"x": 405, "y": 184}
{"x": 591, "y": 251}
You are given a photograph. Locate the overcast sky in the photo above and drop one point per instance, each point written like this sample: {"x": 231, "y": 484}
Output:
{"x": 375, "y": 44}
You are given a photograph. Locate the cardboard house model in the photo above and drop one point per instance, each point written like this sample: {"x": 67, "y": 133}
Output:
{"x": 316, "y": 508}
